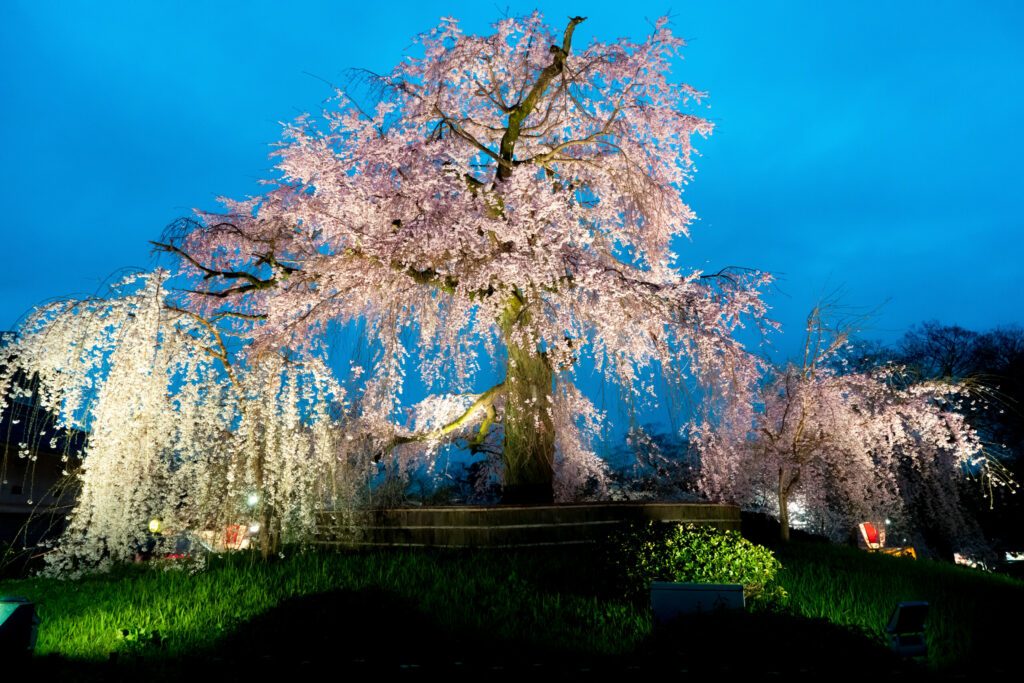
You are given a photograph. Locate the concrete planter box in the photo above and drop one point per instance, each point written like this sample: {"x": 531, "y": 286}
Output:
{"x": 671, "y": 600}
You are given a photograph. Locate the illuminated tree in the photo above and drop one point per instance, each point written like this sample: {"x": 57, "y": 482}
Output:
{"x": 849, "y": 446}
{"x": 176, "y": 431}
{"x": 511, "y": 195}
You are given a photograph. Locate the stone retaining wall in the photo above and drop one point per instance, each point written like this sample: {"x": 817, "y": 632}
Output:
{"x": 501, "y": 526}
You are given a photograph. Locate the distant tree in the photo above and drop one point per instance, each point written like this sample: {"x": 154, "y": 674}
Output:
{"x": 999, "y": 364}
{"x": 992, "y": 362}
{"x": 935, "y": 350}
{"x": 1000, "y": 419}
{"x": 845, "y": 447}
{"x": 175, "y": 431}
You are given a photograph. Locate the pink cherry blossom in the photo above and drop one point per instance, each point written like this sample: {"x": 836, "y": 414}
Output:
{"x": 847, "y": 447}
{"x": 510, "y": 193}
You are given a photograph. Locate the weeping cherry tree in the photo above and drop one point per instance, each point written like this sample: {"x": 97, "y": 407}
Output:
{"x": 850, "y": 446}
{"x": 509, "y": 195}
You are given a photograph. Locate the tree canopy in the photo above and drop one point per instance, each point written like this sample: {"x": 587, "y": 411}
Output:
{"x": 510, "y": 194}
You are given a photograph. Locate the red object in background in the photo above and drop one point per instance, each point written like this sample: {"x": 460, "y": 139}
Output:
{"x": 871, "y": 537}
{"x": 234, "y": 534}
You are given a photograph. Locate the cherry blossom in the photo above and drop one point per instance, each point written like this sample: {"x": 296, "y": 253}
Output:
{"x": 509, "y": 195}
{"x": 845, "y": 447}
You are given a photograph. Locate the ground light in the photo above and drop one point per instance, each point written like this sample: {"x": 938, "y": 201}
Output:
{"x": 906, "y": 629}
{"x": 19, "y": 626}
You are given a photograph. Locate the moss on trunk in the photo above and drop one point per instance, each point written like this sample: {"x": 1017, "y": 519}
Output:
{"x": 528, "y": 451}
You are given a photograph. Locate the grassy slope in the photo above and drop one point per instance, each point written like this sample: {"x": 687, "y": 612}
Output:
{"x": 498, "y": 604}
{"x": 508, "y": 597}
{"x": 973, "y": 616}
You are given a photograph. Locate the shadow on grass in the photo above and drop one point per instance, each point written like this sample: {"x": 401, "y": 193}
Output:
{"x": 770, "y": 643}
{"x": 370, "y": 632}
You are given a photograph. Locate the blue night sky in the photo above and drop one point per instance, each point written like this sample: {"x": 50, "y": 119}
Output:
{"x": 872, "y": 147}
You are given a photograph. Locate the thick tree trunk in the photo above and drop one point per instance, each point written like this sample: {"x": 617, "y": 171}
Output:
{"x": 529, "y": 434}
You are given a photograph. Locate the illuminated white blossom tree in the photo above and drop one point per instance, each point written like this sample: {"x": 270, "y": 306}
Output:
{"x": 176, "y": 431}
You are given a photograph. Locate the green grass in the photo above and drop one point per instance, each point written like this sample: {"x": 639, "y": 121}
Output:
{"x": 512, "y": 597}
{"x": 973, "y": 618}
{"x": 499, "y": 604}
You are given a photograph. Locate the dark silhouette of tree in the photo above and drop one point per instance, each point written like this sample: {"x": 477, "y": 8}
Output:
{"x": 935, "y": 350}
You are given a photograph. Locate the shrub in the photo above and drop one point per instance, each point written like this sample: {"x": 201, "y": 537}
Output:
{"x": 698, "y": 554}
